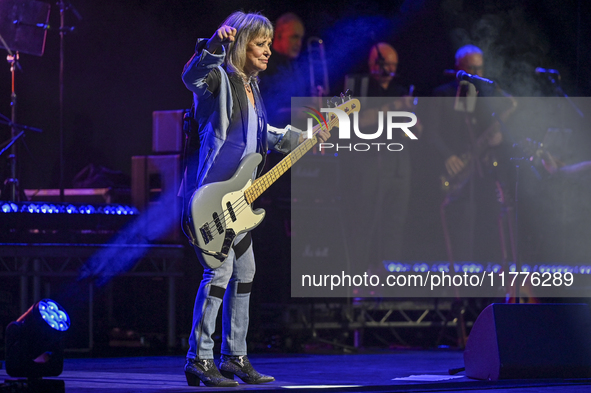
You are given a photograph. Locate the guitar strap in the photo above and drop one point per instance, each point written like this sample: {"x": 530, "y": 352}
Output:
{"x": 262, "y": 128}
{"x": 242, "y": 246}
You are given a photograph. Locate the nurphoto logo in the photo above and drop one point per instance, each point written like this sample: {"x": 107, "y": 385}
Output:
{"x": 395, "y": 120}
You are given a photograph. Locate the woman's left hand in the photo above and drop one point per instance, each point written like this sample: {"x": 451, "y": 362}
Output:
{"x": 323, "y": 135}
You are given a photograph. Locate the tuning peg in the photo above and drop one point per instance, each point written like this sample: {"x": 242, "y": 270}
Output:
{"x": 342, "y": 98}
{"x": 348, "y": 94}
{"x": 336, "y": 101}
{"x": 329, "y": 103}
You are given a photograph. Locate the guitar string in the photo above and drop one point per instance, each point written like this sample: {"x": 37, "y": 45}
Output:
{"x": 238, "y": 205}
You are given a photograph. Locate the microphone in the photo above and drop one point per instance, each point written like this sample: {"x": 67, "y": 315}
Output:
{"x": 383, "y": 72}
{"x": 43, "y": 26}
{"x": 479, "y": 82}
{"x": 380, "y": 62}
{"x": 542, "y": 71}
{"x": 550, "y": 73}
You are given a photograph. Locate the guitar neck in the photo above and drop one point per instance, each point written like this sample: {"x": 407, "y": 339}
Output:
{"x": 264, "y": 182}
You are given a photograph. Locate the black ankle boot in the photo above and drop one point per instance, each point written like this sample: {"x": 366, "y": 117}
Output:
{"x": 205, "y": 370}
{"x": 241, "y": 367}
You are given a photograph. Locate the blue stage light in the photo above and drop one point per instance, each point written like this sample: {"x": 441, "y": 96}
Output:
{"x": 34, "y": 341}
{"x": 421, "y": 267}
{"x": 87, "y": 209}
{"x": 472, "y": 268}
{"x": 396, "y": 267}
{"x": 51, "y": 313}
{"x": 6, "y": 208}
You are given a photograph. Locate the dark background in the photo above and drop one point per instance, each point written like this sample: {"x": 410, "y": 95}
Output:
{"x": 124, "y": 59}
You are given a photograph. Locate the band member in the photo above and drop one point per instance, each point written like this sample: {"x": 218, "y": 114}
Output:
{"x": 470, "y": 211}
{"x": 286, "y": 74}
{"x": 382, "y": 64}
{"x": 231, "y": 122}
{"x": 382, "y": 182}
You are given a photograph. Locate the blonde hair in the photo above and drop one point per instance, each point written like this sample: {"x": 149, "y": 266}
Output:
{"x": 248, "y": 27}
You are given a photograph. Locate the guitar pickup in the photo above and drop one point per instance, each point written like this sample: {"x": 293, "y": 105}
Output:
{"x": 218, "y": 222}
{"x": 231, "y": 211}
{"x": 205, "y": 233}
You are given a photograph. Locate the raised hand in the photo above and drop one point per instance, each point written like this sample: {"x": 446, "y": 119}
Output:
{"x": 222, "y": 36}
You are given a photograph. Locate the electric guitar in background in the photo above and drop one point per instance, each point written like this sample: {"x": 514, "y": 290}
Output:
{"x": 452, "y": 184}
{"x": 219, "y": 212}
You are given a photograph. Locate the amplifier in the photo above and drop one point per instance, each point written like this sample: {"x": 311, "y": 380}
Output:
{"x": 155, "y": 180}
{"x": 167, "y": 131}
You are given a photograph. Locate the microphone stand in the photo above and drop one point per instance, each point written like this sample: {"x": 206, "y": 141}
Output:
{"x": 25, "y": 42}
{"x": 560, "y": 93}
{"x": 514, "y": 243}
{"x": 63, "y": 6}
{"x": 13, "y": 139}
{"x": 12, "y": 182}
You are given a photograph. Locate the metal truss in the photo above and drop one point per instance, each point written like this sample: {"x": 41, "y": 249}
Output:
{"x": 348, "y": 322}
{"x": 35, "y": 262}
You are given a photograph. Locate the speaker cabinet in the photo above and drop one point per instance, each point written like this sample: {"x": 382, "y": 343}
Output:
{"x": 318, "y": 247}
{"x": 167, "y": 131}
{"x": 155, "y": 181}
{"x": 522, "y": 341}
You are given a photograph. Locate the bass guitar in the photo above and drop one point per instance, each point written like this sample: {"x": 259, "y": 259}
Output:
{"x": 452, "y": 184}
{"x": 220, "y": 211}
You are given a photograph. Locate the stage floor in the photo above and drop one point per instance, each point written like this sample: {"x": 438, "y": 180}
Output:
{"x": 372, "y": 372}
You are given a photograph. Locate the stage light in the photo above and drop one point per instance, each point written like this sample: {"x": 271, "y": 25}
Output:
{"x": 34, "y": 342}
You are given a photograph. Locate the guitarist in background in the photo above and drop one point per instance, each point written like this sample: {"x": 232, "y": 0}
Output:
{"x": 231, "y": 123}
{"x": 470, "y": 216}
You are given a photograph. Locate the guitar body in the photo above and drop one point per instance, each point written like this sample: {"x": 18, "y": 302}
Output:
{"x": 452, "y": 184}
{"x": 219, "y": 213}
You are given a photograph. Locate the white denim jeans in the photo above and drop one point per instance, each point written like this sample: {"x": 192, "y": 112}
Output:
{"x": 235, "y": 275}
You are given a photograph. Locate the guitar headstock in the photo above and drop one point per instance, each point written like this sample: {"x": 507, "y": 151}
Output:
{"x": 343, "y": 102}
